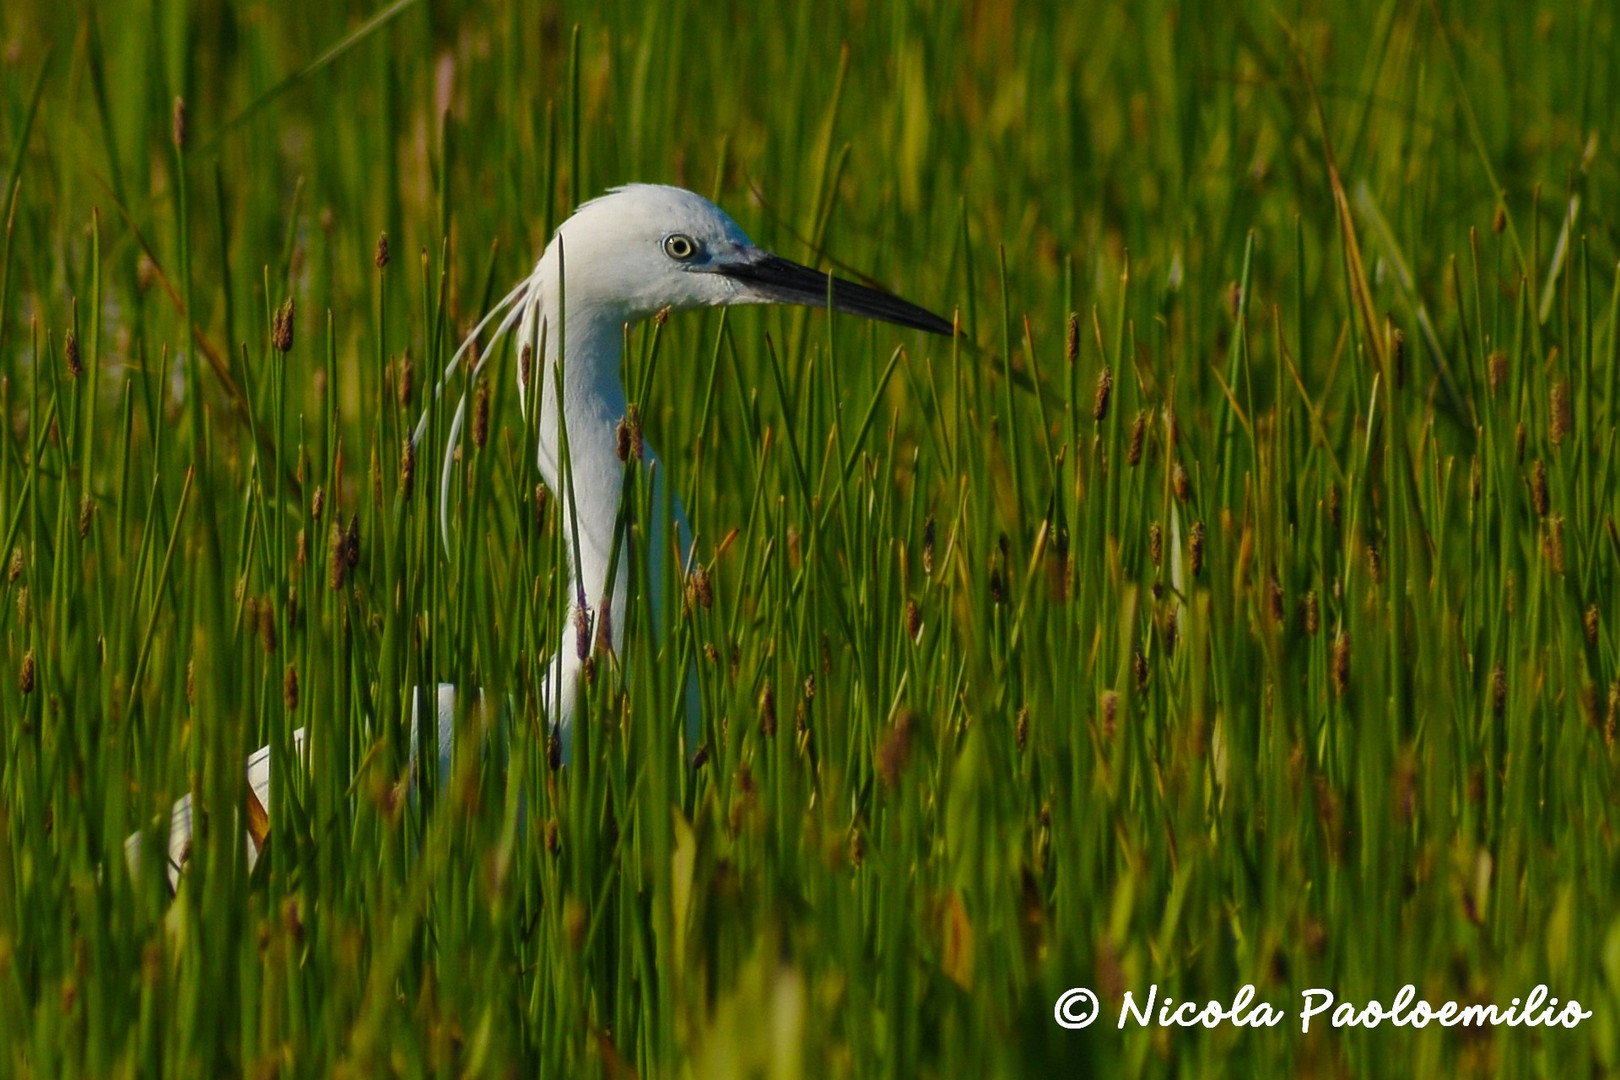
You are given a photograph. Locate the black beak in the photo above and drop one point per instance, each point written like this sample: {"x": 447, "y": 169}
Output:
{"x": 774, "y": 280}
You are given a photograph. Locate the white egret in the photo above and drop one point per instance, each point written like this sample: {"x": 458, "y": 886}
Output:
{"x": 621, "y": 258}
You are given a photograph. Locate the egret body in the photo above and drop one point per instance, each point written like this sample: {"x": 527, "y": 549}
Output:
{"x": 621, "y": 258}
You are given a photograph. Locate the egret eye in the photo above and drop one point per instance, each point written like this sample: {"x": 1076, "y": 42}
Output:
{"x": 680, "y": 247}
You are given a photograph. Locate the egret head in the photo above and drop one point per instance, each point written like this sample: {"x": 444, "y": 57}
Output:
{"x": 645, "y": 247}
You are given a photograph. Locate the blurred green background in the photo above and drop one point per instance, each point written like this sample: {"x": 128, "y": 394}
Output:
{"x": 1289, "y": 658}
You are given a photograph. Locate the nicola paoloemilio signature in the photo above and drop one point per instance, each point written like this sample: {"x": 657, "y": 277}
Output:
{"x": 1079, "y": 1008}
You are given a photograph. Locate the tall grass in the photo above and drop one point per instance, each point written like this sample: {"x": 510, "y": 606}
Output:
{"x": 1233, "y": 602}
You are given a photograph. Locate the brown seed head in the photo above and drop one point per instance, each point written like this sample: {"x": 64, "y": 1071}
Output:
{"x": 767, "y": 710}
{"x": 1553, "y": 544}
{"x": 1195, "y": 548}
{"x": 1611, "y": 721}
{"x": 1590, "y": 624}
{"x": 1538, "y": 489}
{"x": 351, "y": 542}
{"x": 638, "y": 447}
{"x": 317, "y": 504}
{"x": 1496, "y": 371}
{"x": 1558, "y": 418}
{"x": 407, "y": 380}
{"x": 1071, "y": 340}
{"x": 281, "y": 327}
{"x": 621, "y": 441}
{"x": 87, "y": 511}
{"x": 1110, "y": 713}
{"x": 582, "y": 630}
{"x": 1313, "y": 613}
{"x": 1341, "y": 663}
{"x": 480, "y": 424}
{"x": 267, "y": 626}
{"x": 1139, "y": 667}
{"x": 895, "y": 750}
{"x": 542, "y": 496}
{"x": 177, "y": 123}
{"x": 1180, "y": 481}
{"x": 15, "y": 569}
{"x": 525, "y": 365}
{"x": 702, "y": 588}
{"x": 289, "y": 688}
{"x": 1155, "y": 543}
{"x": 1105, "y": 387}
{"x": 1021, "y": 726}
{"x": 407, "y": 469}
{"x": 1274, "y": 597}
{"x": 1499, "y": 689}
{"x": 1499, "y": 220}
{"x": 25, "y": 676}
{"x": 70, "y": 353}
{"x": 1133, "y": 452}
{"x": 338, "y": 563}
{"x": 913, "y": 620}
{"x": 379, "y": 258}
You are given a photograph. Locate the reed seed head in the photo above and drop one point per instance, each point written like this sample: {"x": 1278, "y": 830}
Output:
{"x": 407, "y": 469}
{"x": 1590, "y": 624}
{"x": 281, "y": 327}
{"x": 1499, "y": 689}
{"x": 289, "y": 688}
{"x": 1313, "y": 613}
{"x": 25, "y": 675}
{"x": 1071, "y": 340}
{"x": 1180, "y": 482}
{"x": 895, "y": 750}
{"x": 1110, "y": 713}
{"x": 702, "y": 589}
{"x": 1133, "y": 451}
{"x": 177, "y": 123}
{"x": 406, "y": 387}
{"x": 1195, "y": 548}
{"x": 480, "y": 424}
{"x": 767, "y": 710}
{"x": 1105, "y": 387}
{"x": 1155, "y": 543}
{"x": 913, "y": 620}
{"x": 1538, "y": 489}
{"x": 1558, "y": 410}
{"x": 1496, "y": 371}
{"x": 1021, "y": 727}
{"x": 379, "y": 257}
{"x": 1341, "y": 663}
{"x": 70, "y": 353}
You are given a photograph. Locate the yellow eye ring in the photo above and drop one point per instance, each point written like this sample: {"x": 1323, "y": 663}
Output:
{"x": 680, "y": 247}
